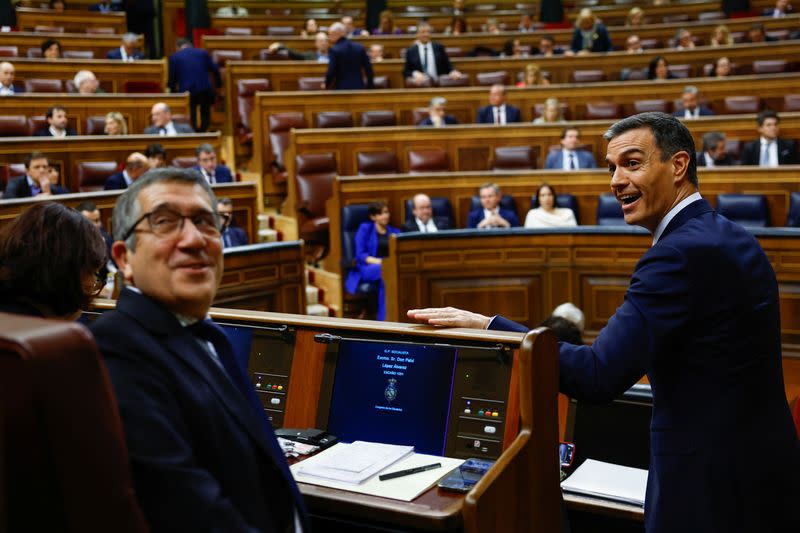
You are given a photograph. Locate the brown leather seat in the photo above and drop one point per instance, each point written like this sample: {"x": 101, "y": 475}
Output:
{"x": 280, "y": 30}
{"x": 142, "y": 86}
{"x": 447, "y": 81}
{"x": 95, "y": 125}
{"x": 34, "y": 53}
{"x": 41, "y": 28}
{"x": 36, "y": 123}
{"x": 77, "y": 54}
{"x": 680, "y": 71}
{"x": 185, "y": 161}
{"x": 279, "y": 126}
{"x": 14, "y": 126}
{"x": 314, "y": 175}
{"x": 65, "y": 461}
{"x": 428, "y": 160}
{"x": 92, "y": 175}
{"x": 382, "y": 117}
{"x": 631, "y": 74}
{"x": 221, "y": 57}
{"x": 454, "y": 51}
{"x": 246, "y": 90}
{"x": 769, "y": 66}
{"x": 310, "y": 83}
{"x": 780, "y": 35}
{"x": 238, "y": 31}
{"x": 734, "y": 105}
{"x": 333, "y": 119}
{"x": 70, "y": 87}
{"x": 181, "y": 118}
{"x": 419, "y": 114}
{"x": 791, "y": 102}
{"x": 587, "y": 76}
{"x": 101, "y": 30}
{"x": 514, "y": 158}
{"x": 671, "y": 19}
{"x": 708, "y": 69}
{"x": 602, "y": 110}
{"x": 492, "y": 78}
{"x": 384, "y": 162}
{"x": 9, "y": 51}
{"x": 40, "y": 85}
{"x": 641, "y": 106}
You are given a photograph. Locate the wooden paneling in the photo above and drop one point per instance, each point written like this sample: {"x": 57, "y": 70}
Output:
{"x": 69, "y": 19}
{"x": 23, "y": 40}
{"x": 135, "y": 108}
{"x": 110, "y": 73}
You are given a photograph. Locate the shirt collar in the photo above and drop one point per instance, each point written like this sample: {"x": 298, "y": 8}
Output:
{"x": 764, "y": 140}
{"x": 672, "y": 212}
{"x": 183, "y": 319}
{"x": 127, "y": 178}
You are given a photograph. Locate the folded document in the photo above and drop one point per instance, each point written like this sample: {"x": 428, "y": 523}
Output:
{"x": 608, "y": 481}
{"x": 354, "y": 463}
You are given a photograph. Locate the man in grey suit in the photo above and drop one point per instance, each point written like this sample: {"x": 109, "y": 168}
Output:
{"x": 163, "y": 125}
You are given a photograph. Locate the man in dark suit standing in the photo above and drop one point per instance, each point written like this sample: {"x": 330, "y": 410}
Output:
{"x": 427, "y": 61}
{"x": 203, "y": 453}
{"x": 346, "y": 61}
{"x": 163, "y": 125}
{"x": 713, "y": 154}
{"x": 212, "y": 171}
{"x": 692, "y": 108}
{"x": 7, "y": 87}
{"x": 232, "y": 235}
{"x": 422, "y": 218}
{"x": 498, "y": 111}
{"x": 56, "y": 124}
{"x": 569, "y": 157}
{"x": 189, "y": 70}
{"x": 701, "y": 319}
{"x": 490, "y": 214}
{"x": 135, "y": 165}
{"x": 127, "y": 50}
{"x": 35, "y": 182}
{"x": 770, "y": 150}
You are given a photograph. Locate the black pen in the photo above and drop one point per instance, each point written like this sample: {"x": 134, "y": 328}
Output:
{"x": 417, "y": 470}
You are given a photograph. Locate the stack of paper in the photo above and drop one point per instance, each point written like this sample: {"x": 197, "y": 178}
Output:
{"x": 354, "y": 463}
{"x": 608, "y": 481}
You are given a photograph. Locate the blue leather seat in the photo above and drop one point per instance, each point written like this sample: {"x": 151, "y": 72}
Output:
{"x": 609, "y": 212}
{"x": 441, "y": 208}
{"x": 506, "y": 202}
{"x": 749, "y": 210}
{"x": 793, "y": 220}
{"x": 562, "y": 200}
{"x": 353, "y": 216}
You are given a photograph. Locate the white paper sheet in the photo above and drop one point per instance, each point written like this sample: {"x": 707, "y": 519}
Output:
{"x": 608, "y": 481}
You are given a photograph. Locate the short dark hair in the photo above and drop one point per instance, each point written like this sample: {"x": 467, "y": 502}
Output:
{"x": 46, "y": 254}
{"x": 48, "y": 43}
{"x": 205, "y": 148}
{"x": 711, "y": 139}
{"x": 53, "y": 108}
{"x": 376, "y": 207}
{"x": 86, "y": 205}
{"x": 34, "y": 155}
{"x": 764, "y": 115}
{"x": 670, "y": 134}
{"x": 224, "y": 201}
{"x": 568, "y": 129}
{"x": 564, "y": 330}
{"x": 155, "y": 149}
{"x": 547, "y": 37}
{"x": 183, "y": 42}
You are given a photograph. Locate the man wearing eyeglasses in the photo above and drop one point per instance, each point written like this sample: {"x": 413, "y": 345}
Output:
{"x": 203, "y": 454}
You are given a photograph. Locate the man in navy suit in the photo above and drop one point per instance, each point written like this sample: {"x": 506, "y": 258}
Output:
{"x": 189, "y": 70}
{"x": 231, "y": 234}
{"x": 498, "y": 111}
{"x": 569, "y": 157}
{"x": 437, "y": 114}
{"x": 427, "y": 61}
{"x": 346, "y": 62}
{"x": 203, "y": 453}
{"x": 135, "y": 165}
{"x": 56, "y": 124}
{"x": 769, "y": 150}
{"x": 161, "y": 116}
{"x": 422, "y": 218}
{"x": 490, "y": 214}
{"x": 212, "y": 171}
{"x": 127, "y": 50}
{"x": 713, "y": 153}
{"x": 7, "y": 87}
{"x": 701, "y": 320}
{"x": 692, "y": 108}
{"x": 35, "y": 182}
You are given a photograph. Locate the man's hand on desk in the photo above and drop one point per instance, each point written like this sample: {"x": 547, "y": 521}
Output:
{"x": 449, "y": 316}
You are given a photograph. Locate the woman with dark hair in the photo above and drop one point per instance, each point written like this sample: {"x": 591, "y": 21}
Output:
{"x": 372, "y": 245}
{"x": 457, "y": 26}
{"x": 51, "y": 49}
{"x": 658, "y": 69}
{"x": 49, "y": 259}
{"x": 546, "y": 214}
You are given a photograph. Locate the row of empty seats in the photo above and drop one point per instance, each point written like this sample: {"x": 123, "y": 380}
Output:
{"x": 47, "y": 85}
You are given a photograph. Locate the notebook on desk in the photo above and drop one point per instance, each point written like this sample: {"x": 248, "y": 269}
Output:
{"x": 608, "y": 481}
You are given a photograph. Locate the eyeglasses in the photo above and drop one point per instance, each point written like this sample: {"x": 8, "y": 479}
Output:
{"x": 167, "y": 222}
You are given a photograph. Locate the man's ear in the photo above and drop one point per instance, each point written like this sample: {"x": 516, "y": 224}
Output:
{"x": 680, "y": 165}
{"x": 120, "y": 254}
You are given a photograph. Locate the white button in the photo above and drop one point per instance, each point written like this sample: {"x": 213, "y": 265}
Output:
{"x": 275, "y": 401}
{"x": 467, "y": 411}
{"x": 489, "y": 429}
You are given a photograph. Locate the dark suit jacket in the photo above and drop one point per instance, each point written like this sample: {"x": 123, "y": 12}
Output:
{"x": 201, "y": 458}
{"x": 116, "y": 54}
{"x": 448, "y": 119}
{"x": 19, "y": 188}
{"x": 476, "y": 216}
{"x": 222, "y": 174}
{"x": 725, "y": 161}
{"x": 787, "y": 152}
{"x": 346, "y": 61}
{"x": 17, "y": 89}
{"x": 410, "y": 224}
{"x": 235, "y": 236}
{"x": 179, "y": 127}
{"x": 701, "y": 319}
{"x": 45, "y": 132}
{"x": 189, "y": 69}
{"x": 600, "y": 43}
{"x": 414, "y": 62}
{"x": 705, "y": 111}
{"x": 115, "y": 181}
{"x": 555, "y": 160}
{"x": 486, "y": 114}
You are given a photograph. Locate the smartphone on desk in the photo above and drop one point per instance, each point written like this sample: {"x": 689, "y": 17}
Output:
{"x": 463, "y": 478}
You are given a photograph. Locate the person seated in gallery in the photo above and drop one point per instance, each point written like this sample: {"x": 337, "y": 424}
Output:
{"x": 547, "y": 214}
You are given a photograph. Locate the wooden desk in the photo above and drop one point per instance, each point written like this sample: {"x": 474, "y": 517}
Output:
{"x": 111, "y": 73}
{"x": 135, "y": 108}
{"x": 70, "y": 19}
{"x": 99, "y": 44}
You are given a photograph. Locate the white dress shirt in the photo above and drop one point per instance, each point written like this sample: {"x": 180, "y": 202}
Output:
{"x": 691, "y": 114}
{"x": 429, "y": 227}
{"x": 127, "y": 178}
{"x": 709, "y": 160}
{"x": 565, "y": 162}
{"x": 672, "y": 212}
{"x": 427, "y": 59}
{"x": 57, "y": 133}
{"x": 6, "y": 91}
{"x": 168, "y": 129}
{"x": 772, "y": 153}
{"x": 124, "y": 55}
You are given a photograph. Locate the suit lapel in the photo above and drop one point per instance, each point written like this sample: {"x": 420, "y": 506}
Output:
{"x": 687, "y": 213}
{"x": 187, "y": 350}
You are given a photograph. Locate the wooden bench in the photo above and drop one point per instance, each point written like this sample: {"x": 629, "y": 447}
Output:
{"x": 99, "y": 44}
{"x": 70, "y": 19}
{"x": 111, "y": 74}
{"x": 67, "y": 153}
{"x": 135, "y": 108}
